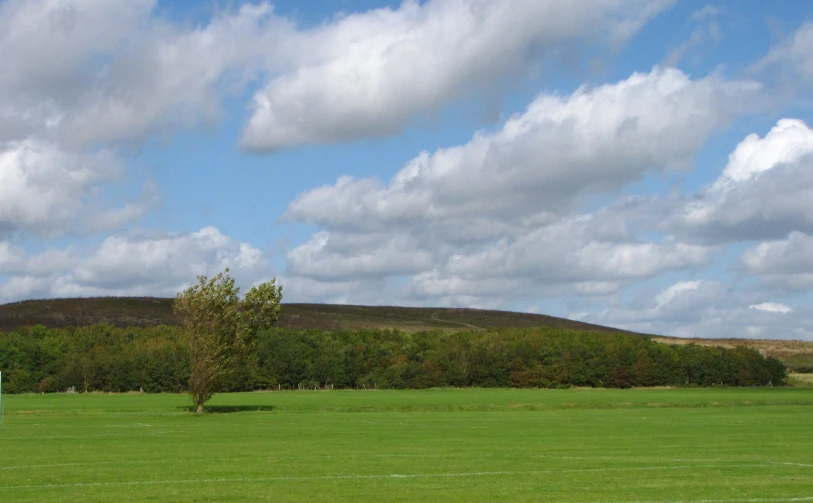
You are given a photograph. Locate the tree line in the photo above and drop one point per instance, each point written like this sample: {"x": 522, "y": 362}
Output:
{"x": 157, "y": 359}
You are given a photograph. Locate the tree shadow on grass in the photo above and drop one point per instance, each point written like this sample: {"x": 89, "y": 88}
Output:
{"x": 227, "y": 409}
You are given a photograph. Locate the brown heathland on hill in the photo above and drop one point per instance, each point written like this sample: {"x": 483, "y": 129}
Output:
{"x": 149, "y": 311}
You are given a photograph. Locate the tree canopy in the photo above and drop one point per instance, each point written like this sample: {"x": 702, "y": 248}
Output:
{"x": 221, "y": 327}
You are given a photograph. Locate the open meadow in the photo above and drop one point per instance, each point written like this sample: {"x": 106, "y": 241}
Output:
{"x": 723, "y": 444}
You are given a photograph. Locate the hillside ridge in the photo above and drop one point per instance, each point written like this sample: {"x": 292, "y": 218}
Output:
{"x": 150, "y": 311}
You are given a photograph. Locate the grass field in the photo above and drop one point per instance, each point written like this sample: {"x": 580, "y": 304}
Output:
{"x": 435, "y": 445}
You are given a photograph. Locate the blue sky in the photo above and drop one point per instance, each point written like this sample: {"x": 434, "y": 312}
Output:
{"x": 643, "y": 164}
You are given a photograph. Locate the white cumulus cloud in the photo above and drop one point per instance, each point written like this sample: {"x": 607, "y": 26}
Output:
{"x": 764, "y": 192}
{"x": 133, "y": 263}
{"x": 674, "y": 291}
{"x": 771, "y": 307}
{"x": 83, "y": 72}
{"x": 45, "y": 189}
{"x": 784, "y": 264}
{"x": 792, "y": 57}
{"x": 597, "y": 139}
{"x": 369, "y": 74}
{"x": 164, "y": 259}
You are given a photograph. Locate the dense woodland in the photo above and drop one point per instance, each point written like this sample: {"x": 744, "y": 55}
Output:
{"x": 155, "y": 359}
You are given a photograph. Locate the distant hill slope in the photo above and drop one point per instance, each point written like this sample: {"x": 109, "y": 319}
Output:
{"x": 119, "y": 311}
{"x": 146, "y": 311}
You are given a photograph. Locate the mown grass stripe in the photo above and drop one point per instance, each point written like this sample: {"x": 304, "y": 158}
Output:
{"x": 372, "y": 476}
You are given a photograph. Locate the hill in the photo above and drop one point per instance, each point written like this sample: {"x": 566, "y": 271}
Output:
{"x": 149, "y": 311}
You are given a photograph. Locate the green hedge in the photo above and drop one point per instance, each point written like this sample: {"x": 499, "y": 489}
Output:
{"x": 105, "y": 358}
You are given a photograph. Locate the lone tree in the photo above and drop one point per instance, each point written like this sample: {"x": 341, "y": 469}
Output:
{"x": 221, "y": 327}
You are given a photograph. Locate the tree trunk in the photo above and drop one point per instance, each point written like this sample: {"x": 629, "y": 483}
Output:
{"x": 200, "y": 408}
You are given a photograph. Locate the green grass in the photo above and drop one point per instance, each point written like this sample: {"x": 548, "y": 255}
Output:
{"x": 434, "y": 445}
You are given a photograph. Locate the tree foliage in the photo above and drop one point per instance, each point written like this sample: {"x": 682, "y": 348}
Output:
{"x": 157, "y": 359}
{"x": 221, "y": 328}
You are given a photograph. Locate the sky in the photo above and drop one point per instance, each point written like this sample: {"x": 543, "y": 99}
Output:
{"x": 643, "y": 164}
